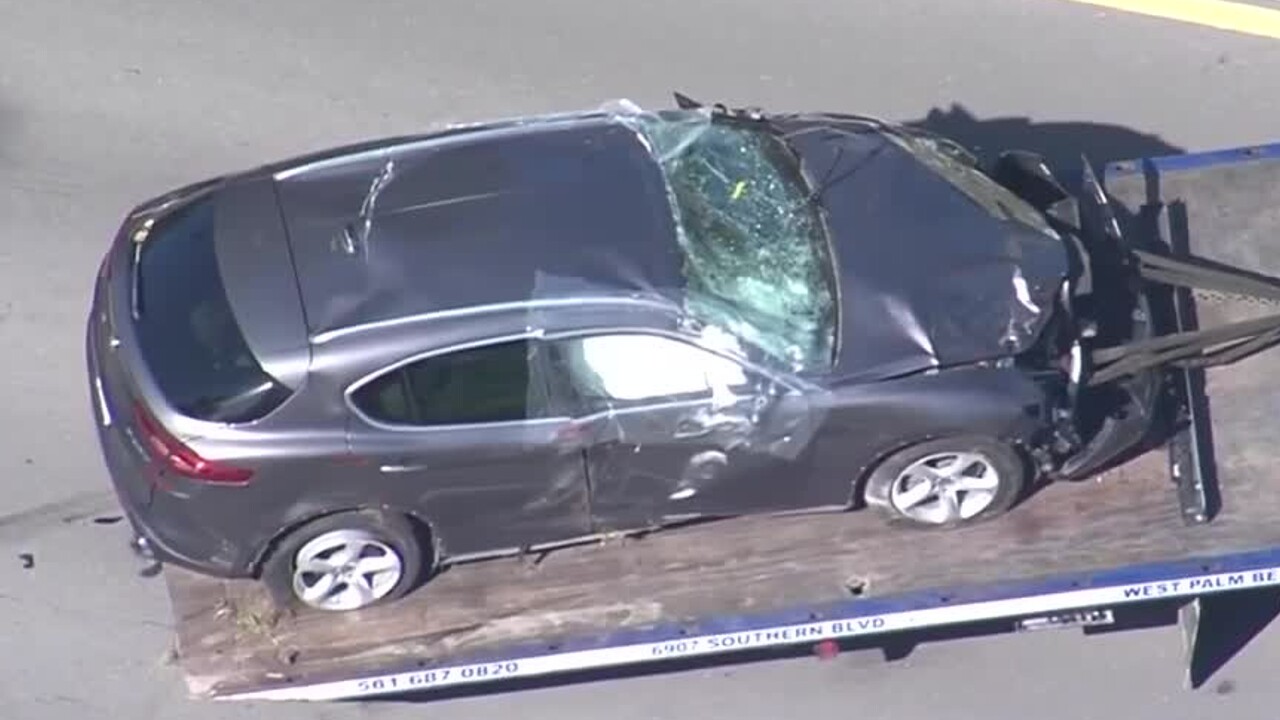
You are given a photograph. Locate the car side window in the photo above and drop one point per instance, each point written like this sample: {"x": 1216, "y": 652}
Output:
{"x": 636, "y": 369}
{"x": 486, "y": 384}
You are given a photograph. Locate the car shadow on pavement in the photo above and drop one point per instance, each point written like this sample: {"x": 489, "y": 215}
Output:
{"x": 1060, "y": 143}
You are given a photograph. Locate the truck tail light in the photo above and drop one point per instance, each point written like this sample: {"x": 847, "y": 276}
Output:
{"x": 183, "y": 460}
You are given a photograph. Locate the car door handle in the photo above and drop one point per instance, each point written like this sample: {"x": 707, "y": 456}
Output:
{"x": 400, "y": 468}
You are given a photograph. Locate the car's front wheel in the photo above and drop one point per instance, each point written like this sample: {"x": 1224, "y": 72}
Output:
{"x": 948, "y": 482}
{"x": 346, "y": 561}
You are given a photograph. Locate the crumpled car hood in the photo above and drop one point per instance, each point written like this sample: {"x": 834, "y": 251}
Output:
{"x": 939, "y": 266}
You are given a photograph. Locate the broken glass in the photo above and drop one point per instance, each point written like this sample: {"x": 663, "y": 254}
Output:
{"x": 756, "y": 256}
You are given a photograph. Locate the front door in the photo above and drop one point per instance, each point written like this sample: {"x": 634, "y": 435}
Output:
{"x": 674, "y": 431}
{"x": 468, "y": 439}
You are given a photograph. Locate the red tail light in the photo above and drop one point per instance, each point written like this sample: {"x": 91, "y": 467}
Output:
{"x": 183, "y": 460}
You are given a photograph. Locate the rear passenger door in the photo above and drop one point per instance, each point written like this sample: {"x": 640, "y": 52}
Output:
{"x": 470, "y": 439}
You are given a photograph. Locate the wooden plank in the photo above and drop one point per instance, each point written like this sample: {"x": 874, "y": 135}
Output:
{"x": 228, "y": 640}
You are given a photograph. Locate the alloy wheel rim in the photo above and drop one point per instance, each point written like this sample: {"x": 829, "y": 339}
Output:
{"x": 345, "y": 570}
{"x": 946, "y": 487}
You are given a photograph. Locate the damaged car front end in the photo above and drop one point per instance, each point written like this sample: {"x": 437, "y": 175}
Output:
{"x": 1037, "y": 290}
{"x": 945, "y": 265}
{"x": 1098, "y": 302}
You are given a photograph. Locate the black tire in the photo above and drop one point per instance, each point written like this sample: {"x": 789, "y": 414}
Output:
{"x": 396, "y": 532}
{"x": 1012, "y": 472}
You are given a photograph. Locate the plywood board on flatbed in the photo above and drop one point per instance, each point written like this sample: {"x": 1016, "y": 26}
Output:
{"x": 228, "y": 642}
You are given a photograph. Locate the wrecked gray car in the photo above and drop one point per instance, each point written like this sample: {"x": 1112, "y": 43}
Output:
{"x": 342, "y": 372}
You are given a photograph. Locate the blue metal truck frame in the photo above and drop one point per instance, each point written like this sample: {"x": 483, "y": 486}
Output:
{"x": 1202, "y": 587}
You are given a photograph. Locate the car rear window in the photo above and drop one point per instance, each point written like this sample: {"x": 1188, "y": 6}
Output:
{"x": 187, "y": 330}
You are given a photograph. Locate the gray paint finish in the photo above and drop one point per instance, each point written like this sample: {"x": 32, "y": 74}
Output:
{"x": 454, "y": 232}
{"x": 576, "y": 203}
{"x": 150, "y": 95}
{"x": 930, "y": 277}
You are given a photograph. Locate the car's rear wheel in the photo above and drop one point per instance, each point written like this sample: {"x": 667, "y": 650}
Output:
{"x": 948, "y": 482}
{"x": 346, "y": 561}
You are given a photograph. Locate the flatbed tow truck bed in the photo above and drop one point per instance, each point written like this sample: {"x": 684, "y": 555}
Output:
{"x": 1119, "y": 539}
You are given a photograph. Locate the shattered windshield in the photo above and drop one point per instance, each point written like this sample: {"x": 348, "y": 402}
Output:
{"x": 756, "y": 257}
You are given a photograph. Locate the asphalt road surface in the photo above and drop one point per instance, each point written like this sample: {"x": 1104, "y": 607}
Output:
{"x": 104, "y": 103}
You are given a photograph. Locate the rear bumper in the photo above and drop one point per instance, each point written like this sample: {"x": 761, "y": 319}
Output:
{"x": 150, "y": 543}
{"x": 166, "y": 519}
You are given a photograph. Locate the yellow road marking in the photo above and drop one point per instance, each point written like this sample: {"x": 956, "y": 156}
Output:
{"x": 1220, "y": 14}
